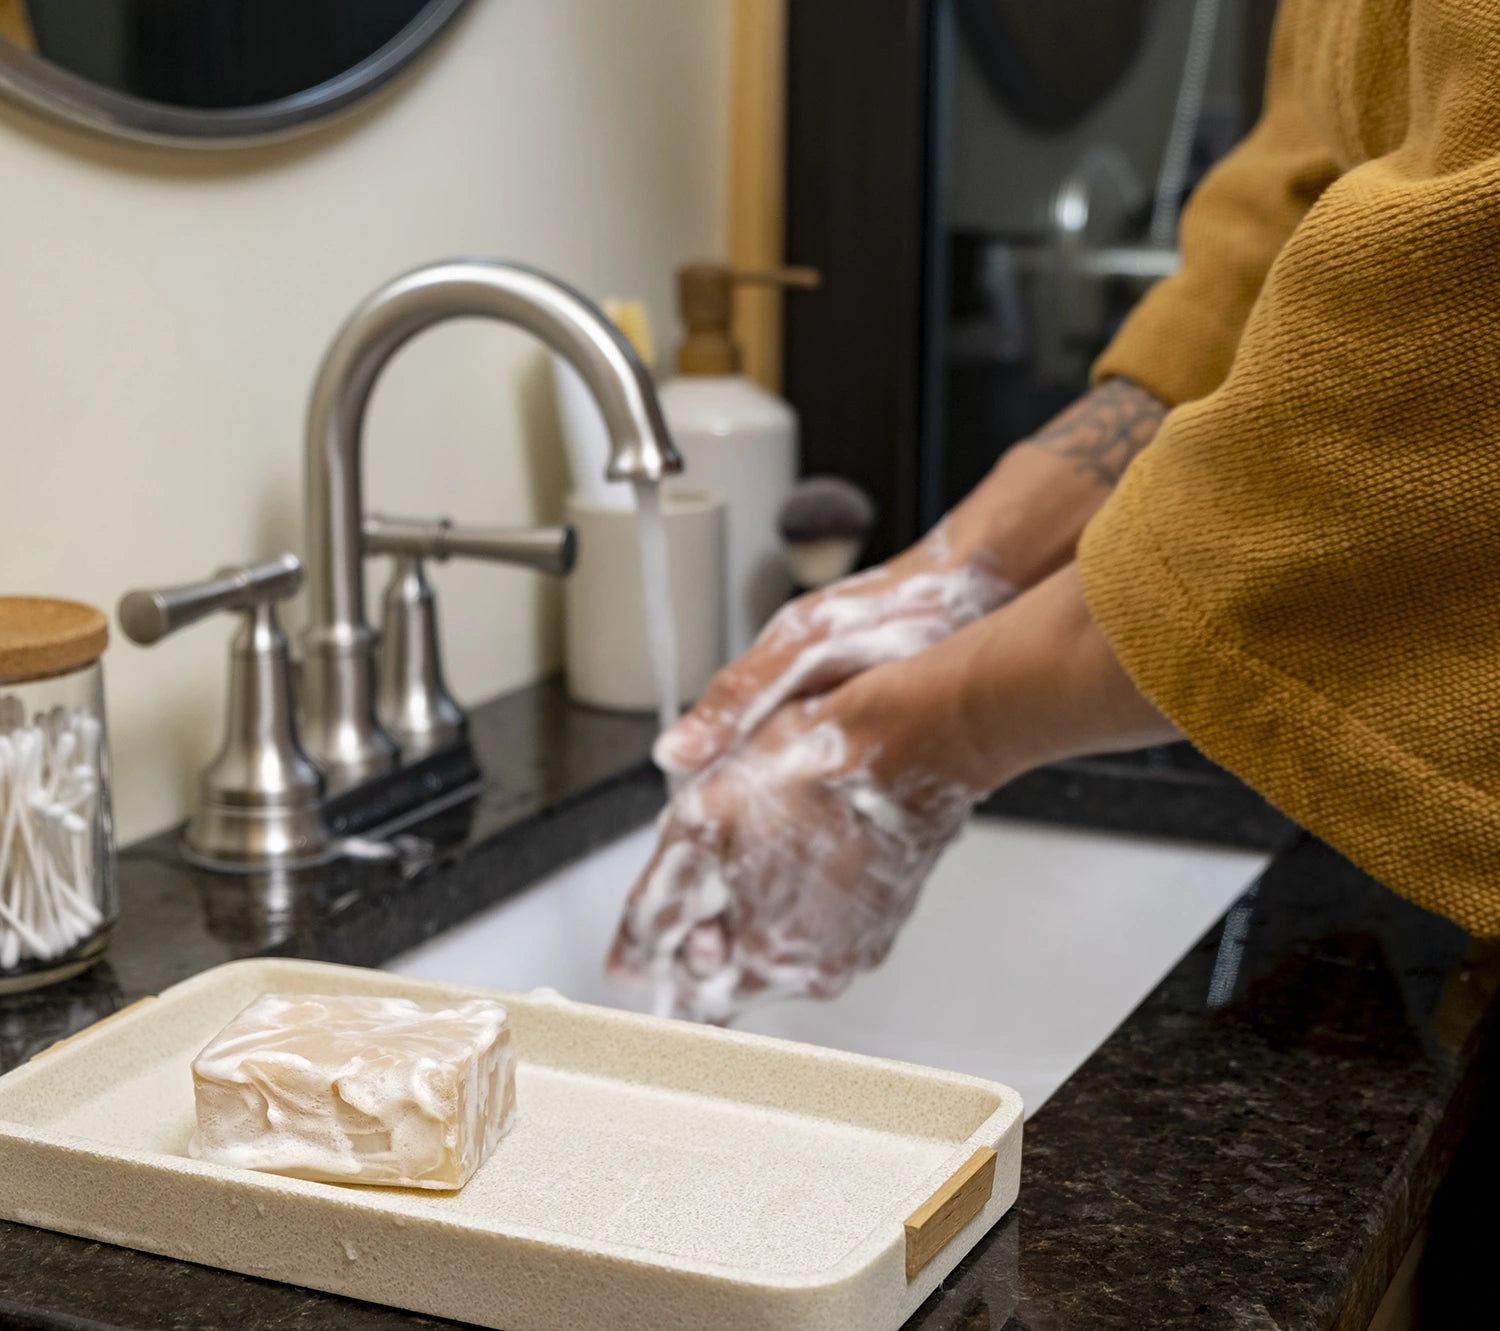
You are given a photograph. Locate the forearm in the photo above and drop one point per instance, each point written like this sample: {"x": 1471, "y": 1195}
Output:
{"x": 1032, "y": 683}
{"x": 1026, "y": 516}
{"x": 1017, "y": 526}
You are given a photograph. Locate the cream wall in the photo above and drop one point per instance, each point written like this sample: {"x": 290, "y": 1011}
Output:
{"x": 162, "y": 313}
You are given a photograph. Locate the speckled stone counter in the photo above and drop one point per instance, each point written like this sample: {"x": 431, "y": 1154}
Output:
{"x": 1252, "y": 1149}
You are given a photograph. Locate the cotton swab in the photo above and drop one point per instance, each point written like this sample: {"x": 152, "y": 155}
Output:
{"x": 49, "y": 788}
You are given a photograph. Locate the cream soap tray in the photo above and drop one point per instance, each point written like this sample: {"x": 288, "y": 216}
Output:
{"x": 660, "y": 1176}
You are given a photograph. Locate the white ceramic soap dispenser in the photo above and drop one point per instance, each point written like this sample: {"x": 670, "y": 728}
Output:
{"x": 736, "y": 439}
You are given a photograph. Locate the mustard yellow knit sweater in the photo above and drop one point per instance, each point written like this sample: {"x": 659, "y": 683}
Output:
{"x": 1303, "y": 570}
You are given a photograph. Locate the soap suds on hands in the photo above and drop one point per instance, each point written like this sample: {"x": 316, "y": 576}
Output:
{"x": 784, "y": 869}
{"x": 785, "y": 866}
{"x": 819, "y": 641}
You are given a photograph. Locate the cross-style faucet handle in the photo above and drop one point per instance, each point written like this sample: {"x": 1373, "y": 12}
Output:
{"x": 149, "y": 616}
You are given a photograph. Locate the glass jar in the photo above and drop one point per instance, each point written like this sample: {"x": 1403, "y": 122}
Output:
{"x": 57, "y": 868}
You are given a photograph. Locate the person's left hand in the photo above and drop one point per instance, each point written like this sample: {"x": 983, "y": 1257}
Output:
{"x": 786, "y": 866}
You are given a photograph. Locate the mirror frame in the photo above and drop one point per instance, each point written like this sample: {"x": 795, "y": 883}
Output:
{"x": 58, "y": 94}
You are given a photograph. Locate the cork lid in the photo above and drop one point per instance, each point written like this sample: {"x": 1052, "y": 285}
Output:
{"x": 40, "y": 636}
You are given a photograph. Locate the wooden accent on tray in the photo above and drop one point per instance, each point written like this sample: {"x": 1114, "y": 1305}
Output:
{"x": 92, "y": 1026}
{"x": 949, "y": 1209}
{"x": 757, "y": 188}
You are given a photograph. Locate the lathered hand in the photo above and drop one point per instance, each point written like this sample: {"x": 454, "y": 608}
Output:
{"x": 783, "y": 869}
{"x": 819, "y": 641}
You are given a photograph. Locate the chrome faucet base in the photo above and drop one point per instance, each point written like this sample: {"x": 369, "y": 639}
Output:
{"x": 238, "y": 839}
{"x": 338, "y": 684}
{"x": 260, "y": 799}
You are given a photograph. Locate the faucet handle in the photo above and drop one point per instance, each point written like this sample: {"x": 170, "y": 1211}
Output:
{"x": 547, "y": 549}
{"x": 149, "y": 616}
{"x": 260, "y": 798}
{"x": 411, "y": 699}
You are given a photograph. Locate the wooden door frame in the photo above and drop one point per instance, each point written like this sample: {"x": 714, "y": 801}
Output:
{"x": 860, "y": 177}
{"x": 757, "y": 182}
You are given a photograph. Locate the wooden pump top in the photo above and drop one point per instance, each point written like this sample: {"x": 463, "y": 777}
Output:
{"x": 705, "y": 295}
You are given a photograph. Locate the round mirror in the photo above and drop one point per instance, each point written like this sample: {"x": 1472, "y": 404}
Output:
{"x": 208, "y": 73}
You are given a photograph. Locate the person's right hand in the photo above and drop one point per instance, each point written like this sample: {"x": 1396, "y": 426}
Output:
{"x": 815, "y": 643}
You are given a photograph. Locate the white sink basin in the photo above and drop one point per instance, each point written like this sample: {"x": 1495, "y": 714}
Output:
{"x": 1030, "y": 944}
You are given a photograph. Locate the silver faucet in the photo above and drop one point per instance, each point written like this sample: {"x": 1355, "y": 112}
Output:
{"x": 339, "y": 726}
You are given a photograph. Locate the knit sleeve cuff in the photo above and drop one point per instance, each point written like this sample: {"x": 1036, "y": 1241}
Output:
{"x": 1175, "y": 347}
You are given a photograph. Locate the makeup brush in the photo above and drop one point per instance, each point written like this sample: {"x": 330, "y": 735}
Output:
{"x": 824, "y": 523}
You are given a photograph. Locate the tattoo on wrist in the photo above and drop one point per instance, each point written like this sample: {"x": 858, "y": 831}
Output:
{"x": 1102, "y": 432}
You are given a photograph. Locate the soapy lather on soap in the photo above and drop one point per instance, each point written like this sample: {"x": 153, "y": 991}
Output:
{"x": 357, "y": 1088}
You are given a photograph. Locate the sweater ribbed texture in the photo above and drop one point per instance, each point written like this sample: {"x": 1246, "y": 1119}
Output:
{"x": 1303, "y": 570}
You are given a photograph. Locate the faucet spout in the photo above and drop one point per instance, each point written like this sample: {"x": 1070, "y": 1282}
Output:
{"x": 339, "y": 727}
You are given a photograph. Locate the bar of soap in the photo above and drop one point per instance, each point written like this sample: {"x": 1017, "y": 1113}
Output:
{"x": 357, "y": 1089}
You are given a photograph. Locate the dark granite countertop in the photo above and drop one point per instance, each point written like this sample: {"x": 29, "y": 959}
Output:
{"x": 1253, "y": 1148}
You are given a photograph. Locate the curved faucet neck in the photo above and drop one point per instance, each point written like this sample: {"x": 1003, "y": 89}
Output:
{"x": 340, "y": 730}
